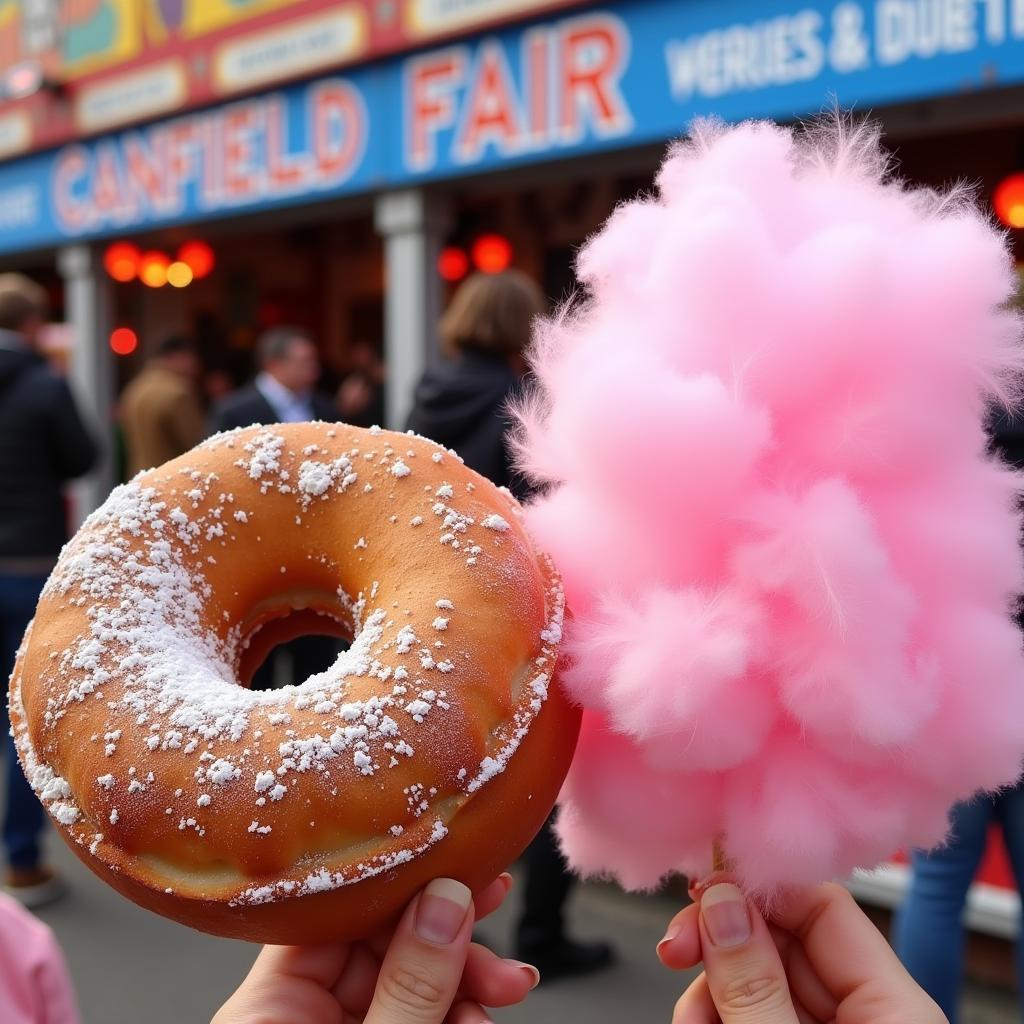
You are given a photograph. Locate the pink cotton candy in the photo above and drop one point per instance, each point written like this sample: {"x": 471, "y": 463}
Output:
{"x": 790, "y": 559}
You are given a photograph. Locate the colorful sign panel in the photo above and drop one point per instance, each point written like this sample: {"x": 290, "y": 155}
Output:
{"x": 79, "y": 37}
{"x": 621, "y": 75}
{"x": 121, "y": 61}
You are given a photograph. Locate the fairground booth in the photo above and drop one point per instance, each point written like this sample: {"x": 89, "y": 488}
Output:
{"x": 218, "y": 166}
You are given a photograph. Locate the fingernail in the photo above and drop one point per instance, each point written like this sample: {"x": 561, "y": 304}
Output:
{"x": 669, "y": 936}
{"x": 442, "y": 911}
{"x": 725, "y": 915}
{"x": 529, "y": 970}
{"x": 506, "y": 880}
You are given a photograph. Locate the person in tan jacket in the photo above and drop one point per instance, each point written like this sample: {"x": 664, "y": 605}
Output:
{"x": 160, "y": 412}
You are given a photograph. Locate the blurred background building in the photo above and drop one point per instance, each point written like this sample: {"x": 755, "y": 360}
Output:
{"x": 211, "y": 168}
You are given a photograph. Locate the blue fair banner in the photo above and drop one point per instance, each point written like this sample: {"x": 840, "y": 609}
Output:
{"x": 612, "y": 76}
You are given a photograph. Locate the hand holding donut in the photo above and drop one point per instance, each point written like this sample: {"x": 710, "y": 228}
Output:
{"x": 819, "y": 960}
{"x": 423, "y": 972}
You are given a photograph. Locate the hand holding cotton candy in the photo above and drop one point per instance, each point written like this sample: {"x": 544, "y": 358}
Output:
{"x": 790, "y": 558}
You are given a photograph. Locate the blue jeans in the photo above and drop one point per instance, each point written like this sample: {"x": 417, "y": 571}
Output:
{"x": 23, "y": 814}
{"x": 928, "y": 933}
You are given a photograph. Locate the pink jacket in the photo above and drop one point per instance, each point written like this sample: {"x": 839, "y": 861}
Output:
{"x": 35, "y": 987}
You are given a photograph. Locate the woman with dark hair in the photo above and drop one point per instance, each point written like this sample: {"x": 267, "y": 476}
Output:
{"x": 463, "y": 404}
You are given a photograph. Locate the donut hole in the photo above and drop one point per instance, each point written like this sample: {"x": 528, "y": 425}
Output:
{"x": 290, "y": 644}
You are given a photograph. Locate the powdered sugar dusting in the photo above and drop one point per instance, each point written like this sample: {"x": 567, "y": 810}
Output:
{"x": 167, "y": 680}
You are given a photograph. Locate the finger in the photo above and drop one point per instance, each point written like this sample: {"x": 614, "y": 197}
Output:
{"x": 490, "y": 980}
{"x": 743, "y": 967}
{"x": 488, "y": 900}
{"x": 805, "y": 985}
{"x": 844, "y": 949}
{"x": 421, "y": 970}
{"x": 806, "y": 1017}
{"x": 466, "y": 1012}
{"x": 850, "y": 956}
{"x": 287, "y": 983}
{"x": 841, "y": 943}
{"x": 695, "y": 1005}
{"x": 680, "y": 948}
{"x": 354, "y": 989}
{"x": 321, "y": 964}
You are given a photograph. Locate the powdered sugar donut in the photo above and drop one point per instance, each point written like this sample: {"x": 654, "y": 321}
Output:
{"x": 435, "y": 745}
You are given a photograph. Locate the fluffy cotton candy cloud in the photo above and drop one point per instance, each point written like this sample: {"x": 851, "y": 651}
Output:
{"x": 789, "y": 555}
{"x": 659, "y": 664}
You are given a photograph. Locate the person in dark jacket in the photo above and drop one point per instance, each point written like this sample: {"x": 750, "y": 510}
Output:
{"x": 464, "y": 404}
{"x": 284, "y": 390}
{"x": 43, "y": 444}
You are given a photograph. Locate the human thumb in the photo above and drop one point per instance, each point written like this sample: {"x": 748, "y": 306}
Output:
{"x": 745, "y": 976}
{"x": 423, "y": 966}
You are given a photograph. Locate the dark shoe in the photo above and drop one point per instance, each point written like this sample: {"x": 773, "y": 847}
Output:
{"x": 568, "y": 959}
{"x": 33, "y": 887}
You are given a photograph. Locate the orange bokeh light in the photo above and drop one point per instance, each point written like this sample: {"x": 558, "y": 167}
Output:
{"x": 121, "y": 261}
{"x": 153, "y": 268}
{"x": 1008, "y": 201}
{"x": 453, "y": 263}
{"x": 198, "y": 256}
{"x": 123, "y": 341}
{"x": 492, "y": 254}
{"x": 179, "y": 274}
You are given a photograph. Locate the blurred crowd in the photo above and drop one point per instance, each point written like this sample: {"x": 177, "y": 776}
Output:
{"x": 168, "y": 407}
{"x": 462, "y": 402}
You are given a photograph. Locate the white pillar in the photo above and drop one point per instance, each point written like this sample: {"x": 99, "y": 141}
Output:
{"x": 88, "y": 307}
{"x": 412, "y": 224}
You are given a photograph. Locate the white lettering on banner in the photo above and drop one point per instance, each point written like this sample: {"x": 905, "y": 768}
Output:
{"x": 995, "y": 21}
{"x": 432, "y": 17}
{"x": 19, "y": 206}
{"x": 232, "y": 156}
{"x": 569, "y": 77}
{"x": 924, "y": 28}
{"x": 849, "y": 49}
{"x": 15, "y": 133}
{"x": 130, "y": 97}
{"x": 742, "y": 57}
{"x": 296, "y": 48}
{"x": 906, "y": 29}
{"x": 800, "y": 46}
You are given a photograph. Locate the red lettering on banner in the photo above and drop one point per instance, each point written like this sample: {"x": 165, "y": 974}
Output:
{"x": 180, "y": 143}
{"x": 566, "y": 85}
{"x": 339, "y": 131}
{"x": 592, "y": 62}
{"x": 143, "y": 167}
{"x": 210, "y": 139}
{"x": 430, "y": 82}
{"x": 108, "y": 192}
{"x": 241, "y": 180}
{"x": 284, "y": 170}
{"x": 537, "y": 51}
{"x": 492, "y": 108}
{"x": 74, "y": 212}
